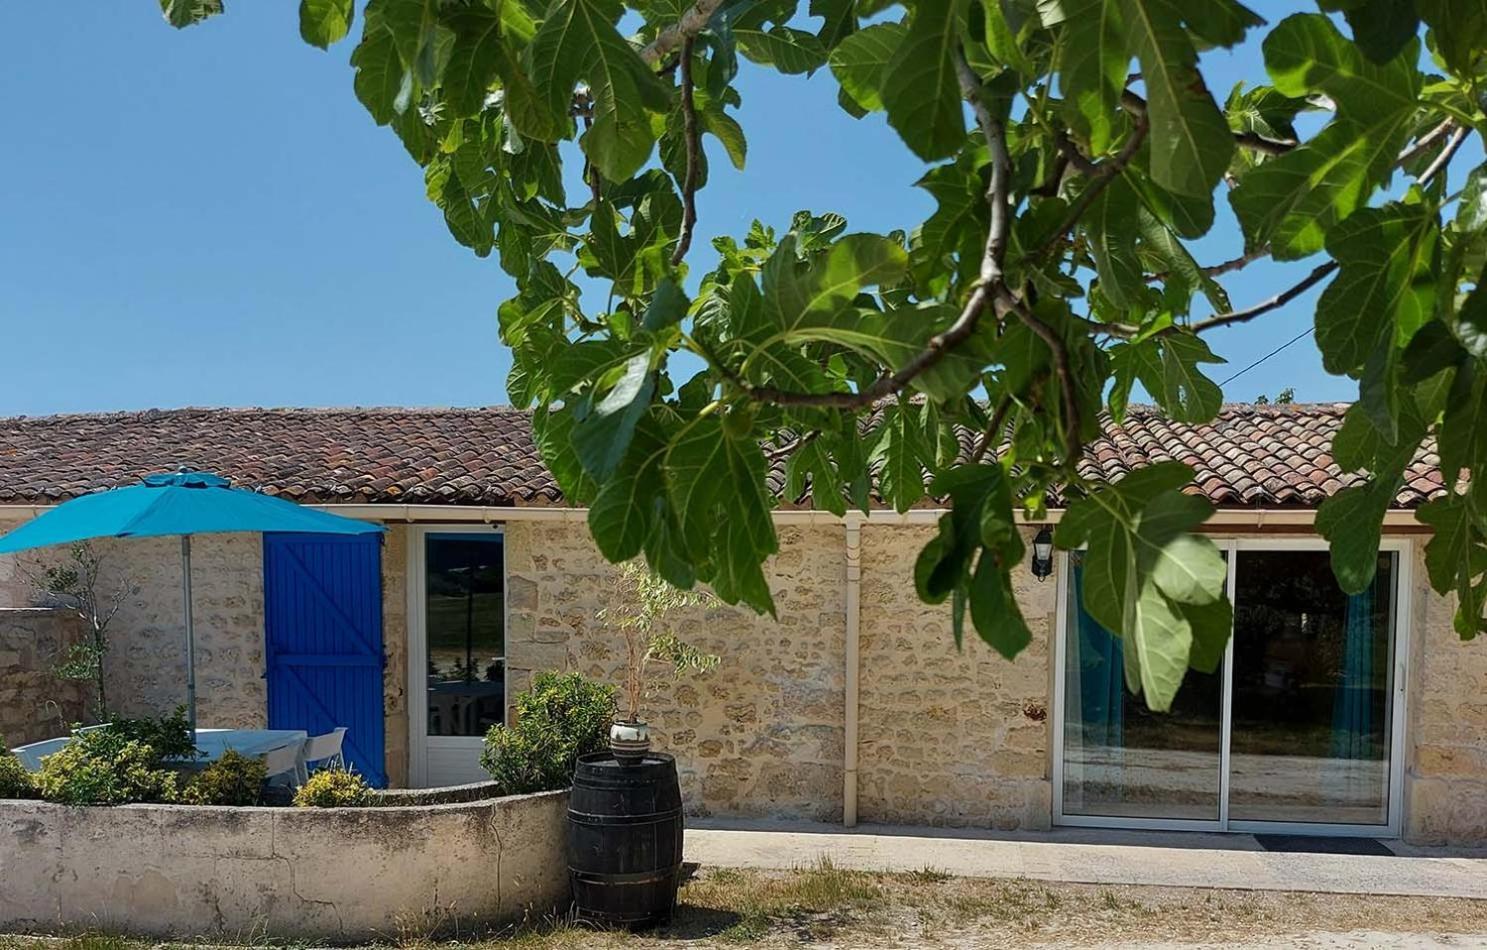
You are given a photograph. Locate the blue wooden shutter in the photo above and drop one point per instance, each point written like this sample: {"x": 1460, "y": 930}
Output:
{"x": 323, "y": 633}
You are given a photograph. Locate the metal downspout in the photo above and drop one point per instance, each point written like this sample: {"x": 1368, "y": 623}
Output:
{"x": 853, "y": 525}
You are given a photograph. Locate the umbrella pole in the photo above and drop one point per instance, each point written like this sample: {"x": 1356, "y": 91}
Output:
{"x": 190, "y": 634}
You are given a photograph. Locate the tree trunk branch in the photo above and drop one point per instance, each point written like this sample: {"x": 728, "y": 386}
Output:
{"x": 1102, "y": 173}
{"x": 986, "y": 294}
{"x": 694, "y": 157}
{"x": 1320, "y": 273}
{"x": 1073, "y": 418}
{"x": 994, "y": 428}
{"x": 1444, "y": 158}
{"x": 694, "y": 21}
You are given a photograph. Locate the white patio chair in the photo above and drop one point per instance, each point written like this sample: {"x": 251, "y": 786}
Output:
{"x": 285, "y": 761}
{"x": 30, "y": 755}
{"x": 326, "y": 749}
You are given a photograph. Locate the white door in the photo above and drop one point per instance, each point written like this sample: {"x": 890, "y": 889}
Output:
{"x": 456, "y": 650}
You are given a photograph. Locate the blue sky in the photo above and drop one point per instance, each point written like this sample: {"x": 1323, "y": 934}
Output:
{"x": 209, "y": 218}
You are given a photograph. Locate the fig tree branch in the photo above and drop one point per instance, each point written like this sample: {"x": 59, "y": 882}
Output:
{"x": 1319, "y": 273}
{"x": 1100, "y": 174}
{"x": 1322, "y": 271}
{"x": 993, "y": 432}
{"x": 1253, "y": 141}
{"x": 669, "y": 40}
{"x": 987, "y": 292}
{"x": 694, "y": 157}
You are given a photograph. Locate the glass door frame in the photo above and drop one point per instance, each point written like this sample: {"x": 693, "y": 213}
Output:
{"x": 420, "y": 743}
{"x": 1403, "y": 550}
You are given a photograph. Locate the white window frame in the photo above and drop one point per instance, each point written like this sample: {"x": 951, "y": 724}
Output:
{"x": 1403, "y": 549}
{"x": 419, "y": 741}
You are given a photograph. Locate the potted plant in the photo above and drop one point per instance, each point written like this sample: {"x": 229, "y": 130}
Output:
{"x": 643, "y": 607}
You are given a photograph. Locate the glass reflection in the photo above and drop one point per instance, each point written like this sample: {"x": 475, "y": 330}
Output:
{"x": 1120, "y": 758}
{"x": 1312, "y": 679}
{"x": 465, "y": 613}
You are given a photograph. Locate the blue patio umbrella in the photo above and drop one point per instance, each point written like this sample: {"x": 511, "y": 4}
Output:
{"x": 178, "y": 503}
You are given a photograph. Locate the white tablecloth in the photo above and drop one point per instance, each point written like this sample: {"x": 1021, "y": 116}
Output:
{"x": 211, "y": 743}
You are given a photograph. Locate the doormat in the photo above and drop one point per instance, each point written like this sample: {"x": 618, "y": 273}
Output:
{"x": 1323, "y": 844}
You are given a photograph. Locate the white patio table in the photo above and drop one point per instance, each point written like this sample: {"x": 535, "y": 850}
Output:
{"x": 210, "y": 743}
{"x": 253, "y": 743}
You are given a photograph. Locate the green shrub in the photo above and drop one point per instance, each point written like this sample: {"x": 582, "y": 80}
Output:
{"x": 231, "y": 780}
{"x": 105, "y": 767}
{"x": 559, "y": 719}
{"x": 15, "y": 781}
{"x": 334, "y": 788}
{"x": 170, "y": 736}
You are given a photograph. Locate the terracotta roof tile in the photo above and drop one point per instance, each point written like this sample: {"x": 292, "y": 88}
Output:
{"x": 1249, "y": 457}
{"x": 309, "y": 455}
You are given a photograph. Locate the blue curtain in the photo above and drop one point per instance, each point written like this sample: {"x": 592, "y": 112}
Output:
{"x": 1101, "y": 675}
{"x": 1352, "y": 709}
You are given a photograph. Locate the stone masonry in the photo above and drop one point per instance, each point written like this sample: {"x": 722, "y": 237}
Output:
{"x": 760, "y": 736}
{"x": 395, "y": 650}
{"x": 145, "y": 671}
{"x": 948, "y": 736}
{"x": 1445, "y": 779}
{"x": 34, "y": 703}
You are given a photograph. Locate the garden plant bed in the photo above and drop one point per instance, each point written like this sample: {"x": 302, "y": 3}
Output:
{"x": 824, "y": 906}
{"x": 324, "y": 874}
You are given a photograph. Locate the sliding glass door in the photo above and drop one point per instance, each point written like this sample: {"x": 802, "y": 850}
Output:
{"x": 1313, "y": 672}
{"x": 1121, "y": 760}
{"x": 1296, "y": 730}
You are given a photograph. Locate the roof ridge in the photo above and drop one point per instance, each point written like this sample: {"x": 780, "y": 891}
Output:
{"x": 1135, "y": 408}
{"x": 123, "y": 415}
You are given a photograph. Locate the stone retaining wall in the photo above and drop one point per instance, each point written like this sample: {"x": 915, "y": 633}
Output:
{"x": 340, "y": 874}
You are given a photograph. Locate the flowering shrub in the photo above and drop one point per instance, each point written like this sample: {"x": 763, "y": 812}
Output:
{"x": 15, "y": 781}
{"x": 231, "y": 780}
{"x": 105, "y": 767}
{"x": 334, "y": 788}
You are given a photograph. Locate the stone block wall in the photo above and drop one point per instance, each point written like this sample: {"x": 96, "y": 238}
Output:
{"x": 946, "y": 737}
{"x": 1445, "y": 781}
{"x": 145, "y": 671}
{"x": 395, "y": 649}
{"x": 955, "y": 737}
{"x": 762, "y": 735}
{"x": 35, "y": 704}
{"x": 146, "y": 666}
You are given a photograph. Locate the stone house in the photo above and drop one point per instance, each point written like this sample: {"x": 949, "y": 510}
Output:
{"x": 1331, "y": 714}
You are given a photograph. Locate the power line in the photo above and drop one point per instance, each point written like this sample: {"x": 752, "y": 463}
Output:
{"x": 1266, "y": 356}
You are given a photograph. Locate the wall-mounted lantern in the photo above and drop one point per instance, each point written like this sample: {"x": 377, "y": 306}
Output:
{"x": 1043, "y": 553}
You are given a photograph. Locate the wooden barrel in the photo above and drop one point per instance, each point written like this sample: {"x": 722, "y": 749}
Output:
{"x": 625, "y": 840}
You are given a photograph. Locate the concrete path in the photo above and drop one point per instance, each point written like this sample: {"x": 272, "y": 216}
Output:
{"x": 1086, "y": 857}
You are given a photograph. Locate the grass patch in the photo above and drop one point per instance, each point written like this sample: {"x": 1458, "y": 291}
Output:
{"x": 928, "y": 875}
{"x": 823, "y": 904}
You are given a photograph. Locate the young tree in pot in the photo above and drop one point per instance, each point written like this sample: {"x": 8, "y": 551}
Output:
{"x": 643, "y": 607}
